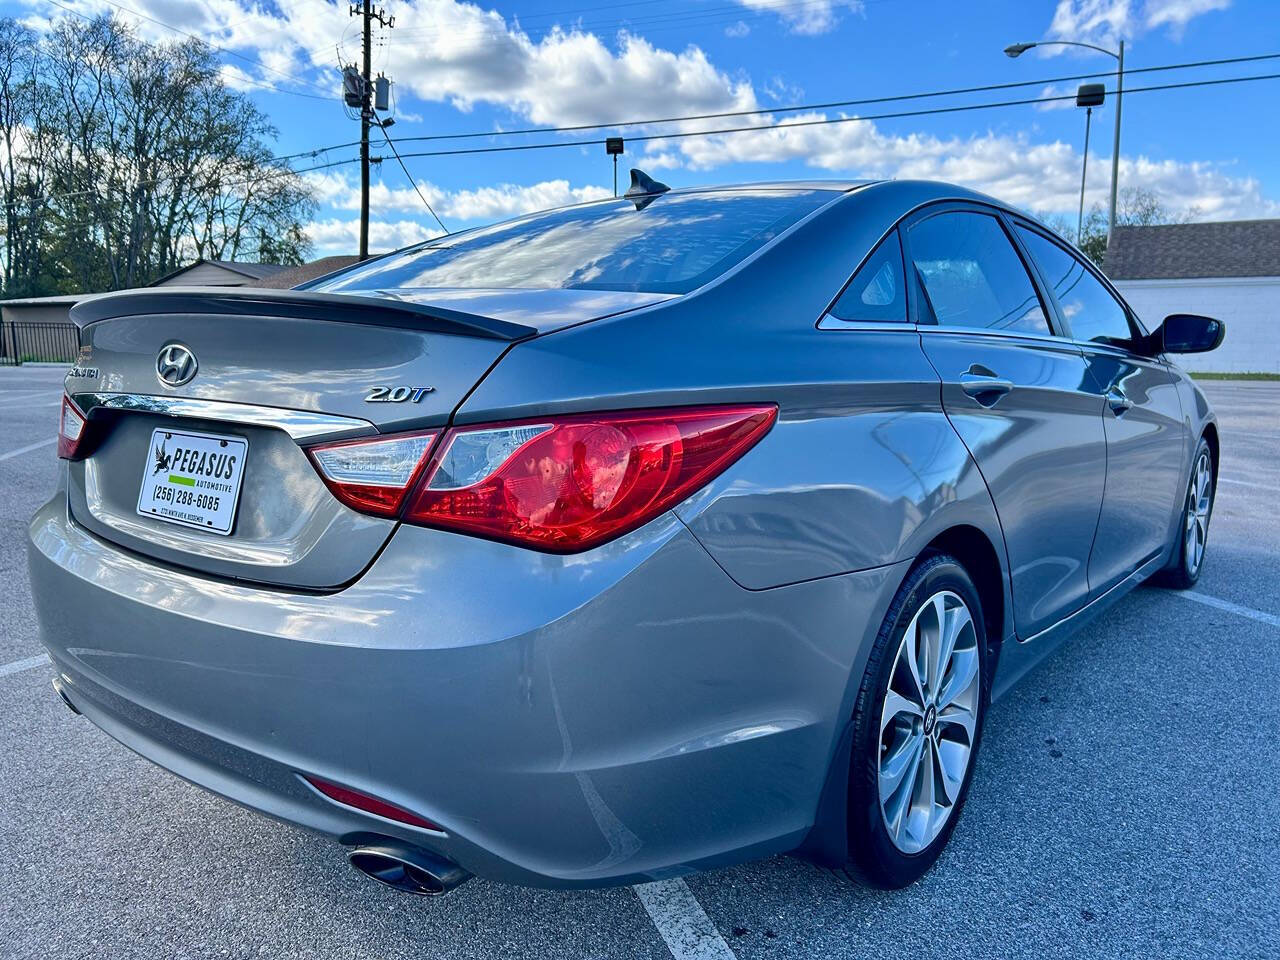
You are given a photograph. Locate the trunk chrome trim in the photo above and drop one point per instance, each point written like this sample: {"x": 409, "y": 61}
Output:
{"x": 301, "y": 425}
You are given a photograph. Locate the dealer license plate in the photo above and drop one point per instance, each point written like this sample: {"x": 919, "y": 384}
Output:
{"x": 193, "y": 479}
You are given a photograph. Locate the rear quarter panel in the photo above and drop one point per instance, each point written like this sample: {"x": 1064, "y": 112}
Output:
{"x": 862, "y": 468}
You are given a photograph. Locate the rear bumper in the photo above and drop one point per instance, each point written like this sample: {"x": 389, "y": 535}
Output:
{"x": 624, "y": 714}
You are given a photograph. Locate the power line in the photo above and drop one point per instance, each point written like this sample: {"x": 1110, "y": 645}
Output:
{"x": 827, "y": 120}
{"x": 391, "y": 143}
{"x": 270, "y": 175}
{"x": 796, "y": 108}
{"x": 866, "y": 101}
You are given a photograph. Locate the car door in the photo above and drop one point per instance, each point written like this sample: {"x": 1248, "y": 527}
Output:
{"x": 1020, "y": 397}
{"x": 1142, "y": 415}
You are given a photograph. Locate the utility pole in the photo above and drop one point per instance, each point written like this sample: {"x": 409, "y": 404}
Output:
{"x": 365, "y": 11}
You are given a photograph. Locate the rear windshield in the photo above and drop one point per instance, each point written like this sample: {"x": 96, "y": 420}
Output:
{"x": 673, "y": 244}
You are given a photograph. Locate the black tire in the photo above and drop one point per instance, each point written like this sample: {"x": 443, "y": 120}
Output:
{"x": 1184, "y": 567}
{"x": 874, "y": 858}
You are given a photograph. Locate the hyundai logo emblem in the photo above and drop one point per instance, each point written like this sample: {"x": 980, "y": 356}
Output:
{"x": 176, "y": 365}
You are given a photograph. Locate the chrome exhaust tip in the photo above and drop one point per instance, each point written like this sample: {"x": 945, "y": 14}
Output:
{"x": 408, "y": 869}
{"x": 61, "y": 691}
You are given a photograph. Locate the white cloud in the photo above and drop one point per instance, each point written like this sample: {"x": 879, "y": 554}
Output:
{"x": 806, "y": 16}
{"x": 462, "y": 54}
{"x": 509, "y": 200}
{"x": 1056, "y": 91}
{"x": 1178, "y": 13}
{"x": 459, "y": 53}
{"x": 1092, "y": 21}
{"x": 335, "y": 236}
{"x": 1043, "y": 177}
{"x": 737, "y": 30}
{"x": 1105, "y": 22}
{"x": 779, "y": 91}
{"x": 340, "y": 192}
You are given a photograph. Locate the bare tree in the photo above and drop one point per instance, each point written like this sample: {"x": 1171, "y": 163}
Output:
{"x": 22, "y": 182}
{"x": 1135, "y": 207}
{"x": 138, "y": 159}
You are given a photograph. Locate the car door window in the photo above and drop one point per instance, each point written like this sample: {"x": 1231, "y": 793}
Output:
{"x": 1088, "y": 307}
{"x": 877, "y": 291}
{"x": 972, "y": 276}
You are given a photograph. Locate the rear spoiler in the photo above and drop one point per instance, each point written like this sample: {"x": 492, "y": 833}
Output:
{"x": 300, "y": 304}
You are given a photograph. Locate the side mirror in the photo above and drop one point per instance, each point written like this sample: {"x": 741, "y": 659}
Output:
{"x": 1189, "y": 333}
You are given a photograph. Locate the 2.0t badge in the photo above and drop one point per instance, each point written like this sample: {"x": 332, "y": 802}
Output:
{"x": 397, "y": 394}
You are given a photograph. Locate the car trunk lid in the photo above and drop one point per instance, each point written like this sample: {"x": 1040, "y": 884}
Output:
{"x": 277, "y": 371}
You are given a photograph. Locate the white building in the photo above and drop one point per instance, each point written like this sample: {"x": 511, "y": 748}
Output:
{"x": 1228, "y": 270}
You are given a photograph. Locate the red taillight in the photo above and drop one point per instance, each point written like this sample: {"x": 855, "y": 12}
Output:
{"x": 569, "y": 483}
{"x": 372, "y": 474}
{"x": 70, "y": 429}
{"x": 370, "y": 804}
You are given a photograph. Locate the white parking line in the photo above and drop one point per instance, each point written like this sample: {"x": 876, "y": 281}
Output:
{"x": 1249, "y": 483}
{"x": 19, "y": 665}
{"x": 28, "y": 448}
{"x": 684, "y": 925}
{"x": 1260, "y": 615}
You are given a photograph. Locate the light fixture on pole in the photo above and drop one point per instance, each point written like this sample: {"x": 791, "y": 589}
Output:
{"x": 1018, "y": 49}
{"x": 1089, "y": 95}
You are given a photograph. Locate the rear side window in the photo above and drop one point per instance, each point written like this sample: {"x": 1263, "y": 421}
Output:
{"x": 877, "y": 291}
{"x": 1089, "y": 308}
{"x": 972, "y": 276}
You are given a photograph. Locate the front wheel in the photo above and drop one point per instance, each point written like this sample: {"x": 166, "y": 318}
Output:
{"x": 1193, "y": 533}
{"x": 917, "y": 724}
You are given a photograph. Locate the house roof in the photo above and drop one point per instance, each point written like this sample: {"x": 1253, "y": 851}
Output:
{"x": 67, "y": 300}
{"x": 1231, "y": 248}
{"x": 251, "y": 271}
{"x": 292, "y": 276}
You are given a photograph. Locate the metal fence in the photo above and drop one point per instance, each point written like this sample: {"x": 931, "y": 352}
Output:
{"x": 31, "y": 342}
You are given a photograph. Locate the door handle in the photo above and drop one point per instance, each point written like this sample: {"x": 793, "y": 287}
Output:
{"x": 1118, "y": 402}
{"x": 987, "y": 390}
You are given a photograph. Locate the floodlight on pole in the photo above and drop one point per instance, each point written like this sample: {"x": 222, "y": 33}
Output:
{"x": 614, "y": 146}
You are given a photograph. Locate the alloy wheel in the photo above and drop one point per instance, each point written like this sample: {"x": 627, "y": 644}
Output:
{"x": 1199, "y": 505}
{"x": 928, "y": 722}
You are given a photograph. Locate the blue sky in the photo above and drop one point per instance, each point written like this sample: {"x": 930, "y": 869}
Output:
{"x": 484, "y": 67}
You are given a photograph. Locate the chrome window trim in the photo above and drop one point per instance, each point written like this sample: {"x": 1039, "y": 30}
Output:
{"x": 994, "y": 332}
{"x": 1125, "y": 352}
{"x": 830, "y": 322}
{"x": 301, "y": 425}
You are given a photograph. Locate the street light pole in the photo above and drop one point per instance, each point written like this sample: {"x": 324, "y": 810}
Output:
{"x": 1018, "y": 49}
{"x": 1115, "y": 144}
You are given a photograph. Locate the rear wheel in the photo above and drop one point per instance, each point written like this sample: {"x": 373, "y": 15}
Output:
{"x": 1193, "y": 533}
{"x": 917, "y": 725}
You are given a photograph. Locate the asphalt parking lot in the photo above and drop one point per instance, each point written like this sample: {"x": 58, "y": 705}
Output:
{"x": 1127, "y": 800}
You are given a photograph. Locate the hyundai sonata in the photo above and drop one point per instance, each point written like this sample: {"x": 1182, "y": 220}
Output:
{"x": 619, "y": 540}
